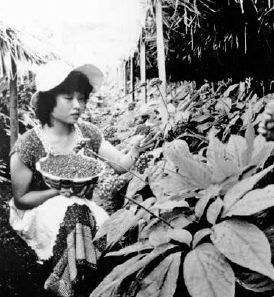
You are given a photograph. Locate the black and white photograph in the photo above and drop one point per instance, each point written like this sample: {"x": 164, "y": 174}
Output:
{"x": 137, "y": 148}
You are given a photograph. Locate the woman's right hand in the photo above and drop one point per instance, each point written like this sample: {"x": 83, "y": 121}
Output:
{"x": 67, "y": 192}
{"x": 266, "y": 126}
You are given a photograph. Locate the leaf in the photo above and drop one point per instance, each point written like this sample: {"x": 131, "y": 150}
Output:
{"x": 167, "y": 185}
{"x": 262, "y": 151}
{"x": 121, "y": 222}
{"x": 214, "y": 210}
{"x": 249, "y": 138}
{"x": 207, "y": 195}
{"x": 253, "y": 202}
{"x": 134, "y": 248}
{"x": 174, "y": 150}
{"x": 170, "y": 205}
{"x": 244, "y": 244}
{"x": 195, "y": 172}
{"x": 180, "y": 235}
{"x": 236, "y": 148}
{"x": 241, "y": 188}
{"x": 207, "y": 273}
{"x": 136, "y": 184}
{"x": 199, "y": 235}
{"x": 110, "y": 283}
{"x": 220, "y": 163}
{"x": 158, "y": 237}
{"x": 230, "y": 89}
{"x": 114, "y": 220}
{"x": 162, "y": 281}
{"x": 116, "y": 278}
{"x": 224, "y": 104}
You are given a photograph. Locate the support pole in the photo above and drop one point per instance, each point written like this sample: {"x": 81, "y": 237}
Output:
{"x": 125, "y": 77}
{"x": 143, "y": 68}
{"x": 161, "y": 58}
{"x": 132, "y": 78}
{"x": 14, "y": 126}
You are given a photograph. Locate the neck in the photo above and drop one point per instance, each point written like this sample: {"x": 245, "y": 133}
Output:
{"x": 60, "y": 129}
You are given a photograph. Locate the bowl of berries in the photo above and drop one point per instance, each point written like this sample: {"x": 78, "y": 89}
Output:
{"x": 70, "y": 171}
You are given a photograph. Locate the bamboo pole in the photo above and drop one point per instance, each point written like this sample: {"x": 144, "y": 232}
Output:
{"x": 14, "y": 126}
{"x": 143, "y": 68}
{"x": 132, "y": 79}
{"x": 161, "y": 58}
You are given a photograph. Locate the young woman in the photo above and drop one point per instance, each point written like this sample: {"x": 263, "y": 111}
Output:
{"x": 59, "y": 225}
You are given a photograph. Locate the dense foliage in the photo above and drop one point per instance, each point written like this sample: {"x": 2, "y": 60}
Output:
{"x": 197, "y": 217}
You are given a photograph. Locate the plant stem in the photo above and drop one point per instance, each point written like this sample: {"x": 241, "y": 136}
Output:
{"x": 165, "y": 104}
{"x": 151, "y": 213}
{"x": 127, "y": 170}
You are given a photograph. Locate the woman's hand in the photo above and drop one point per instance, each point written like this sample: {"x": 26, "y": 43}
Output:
{"x": 266, "y": 126}
{"x": 143, "y": 143}
{"x": 67, "y": 192}
{"x": 86, "y": 191}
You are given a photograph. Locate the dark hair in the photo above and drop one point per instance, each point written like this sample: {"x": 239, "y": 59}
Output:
{"x": 74, "y": 82}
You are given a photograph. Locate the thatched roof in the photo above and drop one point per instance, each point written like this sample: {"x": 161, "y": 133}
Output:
{"x": 216, "y": 38}
{"x": 23, "y": 48}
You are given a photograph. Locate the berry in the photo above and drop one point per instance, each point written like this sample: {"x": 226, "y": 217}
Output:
{"x": 109, "y": 132}
{"x": 143, "y": 162}
{"x": 70, "y": 166}
{"x": 109, "y": 183}
{"x": 142, "y": 130}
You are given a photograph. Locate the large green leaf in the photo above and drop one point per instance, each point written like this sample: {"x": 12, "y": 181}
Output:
{"x": 136, "y": 184}
{"x": 244, "y": 244}
{"x": 164, "y": 186}
{"x": 262, "y": 151}
{"x": 195, "y": 172}
{"x": 134, "y": 248}
{"x": 170, "y": 205}
{"x": 207, "y": 273}
{"x": 236, "y": 149}
{"x": 205, "y": 197}
{"x": 199, "y": 235}
{"x": 180, "y": 235}
{"x": 249, "y": 138}
{"x": 175, "y": 150}
{"x": 253, "y": 202}
{"x": 114, "y": 281}
{"x": 241, "y": 188}
{"x": 162, "y": 280}
{"x": 222, "y": 164}
{"x": 122, "y": 221}
{"x": 110, "y": 283}
{"x": 214, "y": 210}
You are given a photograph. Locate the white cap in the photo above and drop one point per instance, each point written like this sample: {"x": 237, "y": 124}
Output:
{"x": 53, "y": 73}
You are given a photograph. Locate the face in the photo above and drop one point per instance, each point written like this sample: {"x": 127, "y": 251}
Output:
{"x": 68, "y": 108}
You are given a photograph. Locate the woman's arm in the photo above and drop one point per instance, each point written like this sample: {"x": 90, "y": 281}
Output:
{"x": 119, "y": 161}
{"x": 21, "y": 177}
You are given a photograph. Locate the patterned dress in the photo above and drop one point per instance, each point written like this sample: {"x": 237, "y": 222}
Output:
{"x": 61, "y": 229}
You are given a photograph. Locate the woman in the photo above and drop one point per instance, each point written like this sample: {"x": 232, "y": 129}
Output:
{"x": 57, "y": 224}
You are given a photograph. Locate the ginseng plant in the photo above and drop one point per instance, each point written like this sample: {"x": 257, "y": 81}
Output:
{"x": 197, "y": 236}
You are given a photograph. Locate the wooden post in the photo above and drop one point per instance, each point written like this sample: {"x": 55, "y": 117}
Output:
{"x": 143, "y": 68}
{"x": 125, "y": 77}
{"x": 14, "y": 127}
{"x": 132, "y": 78}
{"x": 161, "y": 58}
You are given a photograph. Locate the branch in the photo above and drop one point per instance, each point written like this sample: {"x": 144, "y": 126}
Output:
{"x": 151, "y": 213}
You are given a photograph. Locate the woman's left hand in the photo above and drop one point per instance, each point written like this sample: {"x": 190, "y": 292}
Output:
{"x": 86, "y": 192}
{"x": 143, "y": 143}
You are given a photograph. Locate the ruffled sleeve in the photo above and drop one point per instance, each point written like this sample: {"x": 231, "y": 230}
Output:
{"x": 29, "y": 148}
